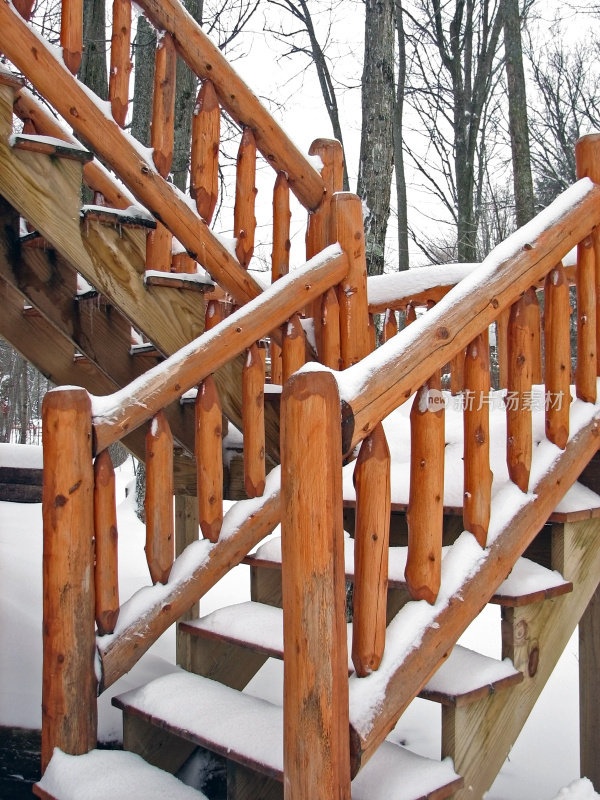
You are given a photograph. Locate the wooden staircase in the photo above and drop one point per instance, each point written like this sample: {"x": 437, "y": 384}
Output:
{"x": 328, "y": 737}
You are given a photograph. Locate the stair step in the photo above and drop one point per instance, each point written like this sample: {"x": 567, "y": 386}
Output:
{"x": 528, "y": 582}
{"x": 464, "y": 677}
{"x": 100, "y": 774}
{"x": 50, "y": 146}
{"x": 131, "y": 217}
{"x": 249, "y": 731}
{"x": 195, "y": 282}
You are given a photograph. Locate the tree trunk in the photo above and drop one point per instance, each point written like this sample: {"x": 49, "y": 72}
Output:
{"x": 377, "y": 144}
{"x": 92, "y": 71}
{"x": 143, "y": 48}
{"x": 403, "y": 256}
{"x": 517, "y": 113}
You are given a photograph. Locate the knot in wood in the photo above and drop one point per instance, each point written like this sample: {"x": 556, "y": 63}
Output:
{"x": 443, "y": 333}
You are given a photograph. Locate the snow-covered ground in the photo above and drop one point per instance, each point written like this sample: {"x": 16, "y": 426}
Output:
{"x": 544, "y": 759}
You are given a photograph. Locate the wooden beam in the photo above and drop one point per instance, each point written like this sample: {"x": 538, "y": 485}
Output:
{"x": 589, "y": 690}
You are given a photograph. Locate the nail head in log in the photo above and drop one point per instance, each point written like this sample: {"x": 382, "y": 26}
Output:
{"x": 426, "y": 498}
{"x": 518, "y": 409}
{"x": 477, "y": 473}
{"x": 206, "y": 133}
{"x": 557, "y": 310}
{"x": 160, "y": 539}
{"x": 244, "y": 221}
{"x": 106, "y": 575}
{"x": 371, "y": 547}
{"x": 209, "y": 459}
{"x": 253, "y": 419}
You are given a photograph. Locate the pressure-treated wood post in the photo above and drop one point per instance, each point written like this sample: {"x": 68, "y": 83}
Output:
{"x": 69, "y": 713}
{"x": 347, "y": 229}
{"x": 315, "y": 708}
{"x": 589, "y": 690}
{"x": 587, "y": 157}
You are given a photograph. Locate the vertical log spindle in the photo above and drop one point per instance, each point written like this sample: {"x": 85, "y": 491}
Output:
{"x": 410, "y": 314}
{"x": 557, "y": 310}
{"x": 477, "y": 473}
{"x": 253, "y": 422}
{"x": 71, "y": 33}
{"x": 518, "y": 398}
{"x": 244, "y": 221}
{"x": 280, "y": 256}
{"x": 160, "y": 535}
{"x": 106, "y": 575}
{"x": 69, "y": 683}
{"x": 293, "y": 353}
{"x": 206, "y": 134}
{"x": 390, "y": 325}
{"x": 315, "y": 712}
{"x": 347, "y": 229}
{"x": 586, "y": 367}
{"x": 24, "y": 7}
{"x": 537, "y": 373}
{"x": 330, "y": 354}
{"x": 372, "y": 334}
{"x": 371, "y": 548}
{"x": 426, "y": 499}
{"x": 502, "y": 347}
{"x": 120, "y": 61}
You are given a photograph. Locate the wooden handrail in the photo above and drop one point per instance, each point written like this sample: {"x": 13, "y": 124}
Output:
{"x": 236, "y": 98}
{"x": 128, "y": 408}
{"x": 371, "y": 390}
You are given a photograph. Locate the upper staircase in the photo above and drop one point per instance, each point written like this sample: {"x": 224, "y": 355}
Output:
{"x": 136, "y": 300}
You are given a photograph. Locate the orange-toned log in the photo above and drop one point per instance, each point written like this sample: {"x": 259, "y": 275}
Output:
{"x": 371, "y": 547}
{"x": 586, "y": 367}
{"x": 244, "y": 221}
{"x": 276, "y": 363}
{"x": 158, "y": 248}
{"x": 315, "y": 712}
{"x": 426, "y": 498}
{"x": 253, "y": 421}
{"x": 330, "y": 354}
{"x": 280, "y": 255}
{"x": 502, "y": 347}
{"x": 557, "y": 310}
{"x": 457, "y": 373}
{"x": 293, "y": 351}
{"x": 183, "y": 264}
{"x": 537, "y": 373}
{"x": 215, "y": 313}
{"x": 518, "y": 396}
{"x": 69, "y": 684}
{"x": 477, "y": 472}
{"x": 160, "y": 539}
{"x": 106, "y": 574}
{"x": 390, "y": 325}
{"x": 120, "y": 61}
{"x": 410, "y": 314}
{"x": 204, "y": 169}
{"x": 372, "y": 333}
{"x": 163, "y": 104}
{"x": 347, "y": 229}
{"x": 24, "y": 7}
{"x": 209, "y": 459}
{"x": 71, "y": 33}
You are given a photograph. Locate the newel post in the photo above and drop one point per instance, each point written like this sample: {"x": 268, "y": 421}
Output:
{"x": 69, "y": 713}
{"x": 315, "y": 708}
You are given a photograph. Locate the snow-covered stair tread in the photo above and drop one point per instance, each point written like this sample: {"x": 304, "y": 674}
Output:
{"x": 464, "y": 677}
{"x": 249, "y": 730}
{"x": 528, "y": 582}
{"x": 114, "y": 774}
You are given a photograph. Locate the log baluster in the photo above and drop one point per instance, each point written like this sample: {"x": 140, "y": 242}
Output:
{"x": 253, "y": 422}
{"x": 371, "y": 547}
{"x": 71, "y": 33}
{"x": 587, "y": 159}
{"x": 244, "y": 221}
{"x": 410, "y": 314}
{"x": 347, "y": 229}
{"x": 106, "y": 574}
{"x": 477, "y": 473}
{"x": 208, "y": 444}
{"x": 457, "y": 373}
{"x": 69, "y": 683}
{"x": 160, "y": 538}
{"x": 372, "y": 333}
{"x": 293, "y": 352}
{"x": 183, "y": 264}
{"x": 502, "y": 347}
{"x": 280, "y": 256}
{"x": 120, "y": 60}
{"x": 315, "y": 696}
{"x": 204, "y": 168}
{"x": 390, "y": 325}
{"x": 24, "y": 7}
{"x": 159, "y": 241}
{"x": 426, "y": 495}
{"x": 586, "y": 367}
{"x": 537, "y": 373}
{"x": 518, "y": 396}
{"x": 330, "y": 354}
{"x": 318, "y": 229}
{"x": 557, "y": 310}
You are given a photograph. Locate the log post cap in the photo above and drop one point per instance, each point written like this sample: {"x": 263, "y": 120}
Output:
{"x": 311, "y": 381}
{"x": 68, "y": 397}
{"x": 587, "y": 157}
{"x": 322, "y": 145}
{"x": 347, "y": 197}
